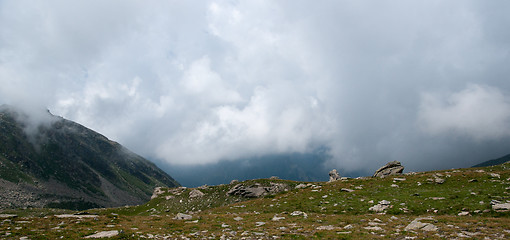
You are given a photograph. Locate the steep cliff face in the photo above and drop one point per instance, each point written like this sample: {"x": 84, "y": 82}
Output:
{"x": 59, "y": 163}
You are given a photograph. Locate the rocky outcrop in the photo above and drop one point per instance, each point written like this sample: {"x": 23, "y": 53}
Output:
{"x": 333, "y": 175}
{"x": 195, "y": 193}
{"x": 391, "y": 168}
{"x": 257, "y": 190}
{"x": 157, "y": 191}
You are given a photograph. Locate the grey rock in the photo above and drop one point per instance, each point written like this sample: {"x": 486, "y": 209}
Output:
{"x": 195, "y": 193}
{"x": 104, "y": 234}
{"x": 301, "y": 185}
{"x": 346, "y": 190}
{"x": 391, "y": 168}
{"x": 334, "y": 175}
{"x": 257, "y": 190}
{"x": 374, "y": 228}
{"x": 417, "y": 225}
{"x": 8, "y": 216}
{"x": 383, "y": 205}
{"x": 501, "y": 207}
{"x": 298, "y": 213}
{"x": 182, "y": 216}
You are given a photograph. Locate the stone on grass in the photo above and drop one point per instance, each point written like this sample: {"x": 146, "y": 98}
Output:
{"x": 417, "y": 225}
{"x": 299, "y": 213}
{"x": 182, "y": 216}
{"x": 104, "y": 234}
{"x": 383, "y": 205}
{"x": 463, "y": 213}
{"x": 501, "y": 207}
{"x": 375, "y": 228}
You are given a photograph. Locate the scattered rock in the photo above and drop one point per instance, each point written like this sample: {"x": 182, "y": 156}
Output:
{"x": 182, "y": 216}
{"x": 3, "y": 216}
{"x": 104, "y": 234}
{"x": 439, "y": 180}
{"x": 298, "y": 213}
{"x": 437, "y": 198}
{"x": 346, "y": 190}
{"x": 374, "y": 228}
{"x": 333, "y": 175}
{"x": 258, "y": 224}
{"x": 234, "y": 181}
{"x": 195, "y": 193}
{"x": 399, "y": 179}
{"x": 301, "y": 185}
{"x": 75, "y": 216}
{"x": 274, "y": 178}
{"x": 383, "y": 205}
{"x": 348, "y": 226}
{"x": 276, "y": 218}
{"x": 328, "y": 228}
{"x": 495, "y": 175}
{"x": 464, "y": 213}
{"x": 238, "y": 219}
{"x": 391, "y": 168}
{"x": 417, "y": 225}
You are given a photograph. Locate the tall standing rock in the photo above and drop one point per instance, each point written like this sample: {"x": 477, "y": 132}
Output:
{"x": 333, "y": 175}
{"x": 391, "y": 168}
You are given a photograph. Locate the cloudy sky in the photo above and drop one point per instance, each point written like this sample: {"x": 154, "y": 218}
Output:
{"x": 193, "y": 82}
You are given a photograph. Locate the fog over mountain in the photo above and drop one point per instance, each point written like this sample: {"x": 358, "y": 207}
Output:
{"x": 195, "y": 83}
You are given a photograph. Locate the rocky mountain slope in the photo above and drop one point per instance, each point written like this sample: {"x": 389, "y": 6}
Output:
{"x": 449, "y": 204}
{"x": 54, "y": 162}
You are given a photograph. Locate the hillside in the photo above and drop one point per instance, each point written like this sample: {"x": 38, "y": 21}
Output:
{"x": 448, "y": 204}
{"x": 62, "y": 164}
{"x": 494, "y": 162}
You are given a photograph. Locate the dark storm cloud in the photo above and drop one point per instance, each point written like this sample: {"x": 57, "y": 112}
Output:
{"x": 425, "y": 83}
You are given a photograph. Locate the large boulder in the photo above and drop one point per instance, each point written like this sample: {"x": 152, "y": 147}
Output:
{"x": 334, "y": 175}
{"x": 391, "y": 168}
{"x": 257, "y": 190}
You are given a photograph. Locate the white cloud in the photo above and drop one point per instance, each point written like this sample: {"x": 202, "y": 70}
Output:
{"x": 187, "y": 82}
{"x": 481, "y": 112}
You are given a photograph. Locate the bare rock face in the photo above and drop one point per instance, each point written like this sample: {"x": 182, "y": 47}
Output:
{"x": 256, "y": 190}
{"x": 333, "y": 175}
{"x": 391, "y": 168}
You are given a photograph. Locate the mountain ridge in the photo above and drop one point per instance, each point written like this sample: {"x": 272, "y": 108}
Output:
{"x": 59, "y": 163}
